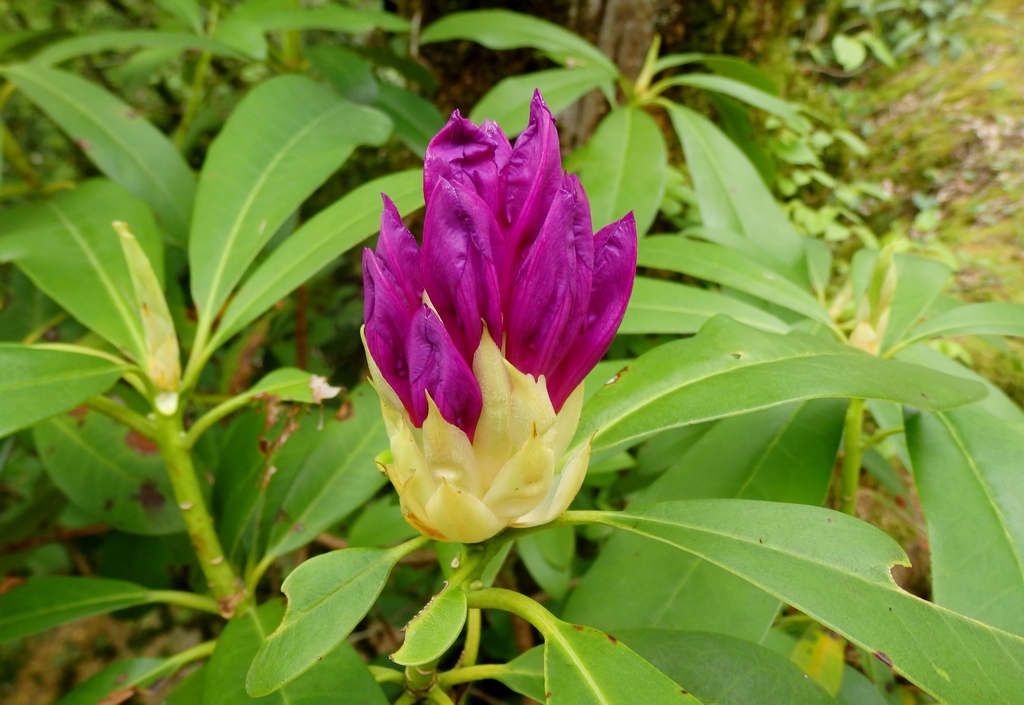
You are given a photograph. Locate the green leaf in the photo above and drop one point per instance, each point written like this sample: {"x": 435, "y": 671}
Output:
{"x": 346, "y": 71}
{"x": 333, "y": 18}
{"x": 730, "y": 191}
{"x": 323, "y": 476}
{"x": 188, "y": 11}
{"x": 267, "y": 159}
{"x": 96, "y": 42}
{"x": 51, "y": 600}
{"x": 725, "y": 670}
{"x": 609, "y": 168}
{"x": 785, "y": 454}
{"x": 313, "y": 247}
{"x": 434, "y": 628}
{"x": 240, "y": 473}
{"x": 120, "y": 676}
{"x": 740, "y": 70}
{"x": 416, "y": 119}
{"x": 123, "y": 145}
{"x": 850, "y": 52}
{"x": 327, "y": 597}
{"x": 991, "y": 318}
{"x": 835, "y": 569}
{"x": 583, "y": 666}
{"x": 508, "y": 102}
{"x": 70, "y": 250}
{"x": 293, "y": 384}
{"x": 548, "y": 556}
{"x": 729, "y": 369}
{"x": 338, "y": 673}
{"x": 746, "y": 93}
{"x": 242, "y": 35}
{"x": 729, "y": 268}
{"x": 525, "y": 674}
{"x": 115, "y": 475}
{"x": 503, "y": 29}
{"x": 660, "y": 306}
{"x": 190, "y": 690}
{"x": 967, "y": 473}
{"x": 919, "y": 282}
{"x": 39, "y": 382}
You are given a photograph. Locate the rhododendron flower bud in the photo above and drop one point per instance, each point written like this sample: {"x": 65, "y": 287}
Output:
{"x": 479, "y": 341}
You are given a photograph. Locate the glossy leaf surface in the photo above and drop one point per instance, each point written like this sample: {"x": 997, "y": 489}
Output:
{"x": 729, "y": 268}
{"x": 313, "y": 247}
{"x": 434, "y": 629}
{"x": 836, "y": 569}
{"x": 660, "y": 306}
{"x": 39, "y": 382}
{"x": 96, "y": 42}
{"x": 502, "y": 29}
{"x": 115, "y": 475}
{"x": 262, "y": 165}
{"x": 785, "y": 454}
{"x": 47, "y": 601}
{"x": 508, "y": 102}
{"x": 583, "y": 666}
{"x": 324, "y": 475}
{"x": 69, "y": 249}
{"x": 725, "y": 670}
{"x": 992, "y": 318}
{"x": 609, "y": 168}
{"x": 119, "y": 141}
{"x": 728, "y": 369}
{"x": 339, "y": 672}
{"x": 327, "y": 596}
{"x": 730, "y": 192}
{"x": 967, "y": 474}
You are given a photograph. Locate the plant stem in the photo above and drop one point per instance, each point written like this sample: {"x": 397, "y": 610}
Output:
{"x": 194, "y": 654}
{"x": 213, "y": 416}
{"x": 471, "y": 673}
{"x": 122, "y": 414}
{"x": 186, "y": 599}
{"x": 472, "y": 646}
{"x": 383, "y": 674}
{"x": 853, "y": 449}
{"x": 514, "y": 602}
{"x": 437, "y": 695}
{"x": 220, "y": 576}
{"x": 877, "y": 438}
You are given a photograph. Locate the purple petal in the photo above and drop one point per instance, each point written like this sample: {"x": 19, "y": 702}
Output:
{"x": 549, "y": 300}
{"x": 398, "y": 251}
{"x": 614, "y": 270}
{"x": 532, "y": 178}
{"x": 387, "y": 314}
{"x": 470, "y": 155}
{"x": 462, "y": 250}
{"x": 437, "y": 368}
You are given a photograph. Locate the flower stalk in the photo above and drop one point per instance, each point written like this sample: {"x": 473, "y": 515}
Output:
{"x": 220, "y": 576}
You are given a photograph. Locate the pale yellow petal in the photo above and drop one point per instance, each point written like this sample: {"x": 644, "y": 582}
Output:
{"x": 406, "y": 455}
{"x": 531, "y": 407}
{"x": 523, "y": 482}
{"x": 563, "y": 490}
{"x": 448, "y": 452}
{"x": 561, "y": 433}
{"x": 461, "y": 517}
{"x": 491, "y": 441}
